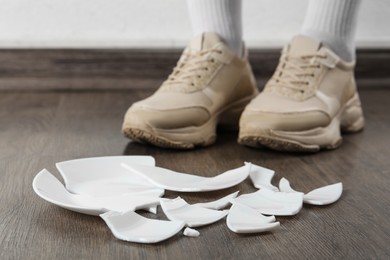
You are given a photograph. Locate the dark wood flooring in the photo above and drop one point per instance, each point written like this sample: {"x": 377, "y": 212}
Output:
{"x": 87, "y": 69}
{"x": 39, "y": 129}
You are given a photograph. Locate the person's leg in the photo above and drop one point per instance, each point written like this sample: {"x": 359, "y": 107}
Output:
{"x": 220, "y": 16}
{"x": 312, "y": 94}
{"x": 211, "y": 84}
{"x": 333, "y": 22}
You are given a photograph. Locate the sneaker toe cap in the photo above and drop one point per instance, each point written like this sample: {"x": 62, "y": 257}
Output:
{"x": 165, "y": 119}
{"x": 252, "y": 121}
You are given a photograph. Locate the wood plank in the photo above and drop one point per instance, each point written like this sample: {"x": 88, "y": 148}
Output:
{"x": 64, "y": 69}
{"x": 39, "y": 129}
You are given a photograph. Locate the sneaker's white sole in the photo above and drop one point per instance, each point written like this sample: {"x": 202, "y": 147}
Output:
{"x": 349, "y": 120}
{"x": 188, "y": 137}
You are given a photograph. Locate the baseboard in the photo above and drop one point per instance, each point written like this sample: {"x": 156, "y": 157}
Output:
{"x": 119, "y": 69}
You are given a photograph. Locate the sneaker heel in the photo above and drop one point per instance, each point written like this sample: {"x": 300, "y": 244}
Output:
{"x": 352, "y": 119}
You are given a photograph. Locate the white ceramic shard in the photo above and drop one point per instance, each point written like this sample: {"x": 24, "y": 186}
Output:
{"x": 104, "y": 176}
{"x": 321, "y": 196}
{"x": 218, "y": 204}
{"x": 261, "y": 177}
{"x": 183, "y": 182}
{"x": 132, "y": 227}
{"x": 284, "y": 186}
{"x": 51, "y": 189}
{"x": 324, "y": 195}
{"x": 244, "y": 219}
{"x": 193, "y": 216}
{"x": 272, "y": 202}
{"x": 152, "y": 209}
{"x": 189, "y": 232}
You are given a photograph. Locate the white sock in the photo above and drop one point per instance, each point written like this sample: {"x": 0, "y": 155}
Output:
{"x": 219, "y": 16}
{"x": 333, "y": 22}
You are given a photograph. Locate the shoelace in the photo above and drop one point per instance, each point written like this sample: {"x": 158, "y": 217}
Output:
{"x": 293, "y": 72}
{"x": 192, "y": 67}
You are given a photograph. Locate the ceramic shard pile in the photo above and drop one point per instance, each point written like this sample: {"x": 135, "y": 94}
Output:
{"x": 114, "y": 188}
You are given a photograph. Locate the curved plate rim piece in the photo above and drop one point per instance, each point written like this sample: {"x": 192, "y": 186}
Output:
{"x": 85, "y": 204}
{"x": 272, "y": 202}
{"x": 219, "y": 203}
{"x": 262, "y": 224}
{"x": 261, "y": 177}
{"x": 171, "y": 206}
{"x": 312, "y": 197}
{"x": 163, "y": 178}
{"x": 41, "y": 193}
{"x": 91, "y": 176}
{"x": 132, "y": 217}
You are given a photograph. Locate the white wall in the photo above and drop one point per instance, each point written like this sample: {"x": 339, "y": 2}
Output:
{"x": 160, "y": 23}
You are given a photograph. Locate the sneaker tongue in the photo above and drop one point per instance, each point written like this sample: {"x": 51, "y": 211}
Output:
{"x": 303, "y": 45}
{"x": 204, "y": 41}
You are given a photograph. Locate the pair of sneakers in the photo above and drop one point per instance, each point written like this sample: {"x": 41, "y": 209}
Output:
{"x": 309, "y": 100}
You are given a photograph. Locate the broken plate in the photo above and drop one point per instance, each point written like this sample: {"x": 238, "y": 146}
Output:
{"x": 261, "y": 177}
{"x": 244, "y": 219}
{"x": 104, "y": 176}
{"x": 218, "y": 204}
{"x": 183, "y": 182}
{"x": 132, "y": 227}
{"x": 193, "y": 216}
{"x": 322, "y": 196}
{"x": 51, "y": 189}
{"x": 272, "y": 202}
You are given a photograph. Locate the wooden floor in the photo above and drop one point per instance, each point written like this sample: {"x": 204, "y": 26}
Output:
{"x": 39, "y": 129}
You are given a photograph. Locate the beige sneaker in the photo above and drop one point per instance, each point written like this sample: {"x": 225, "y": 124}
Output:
{"x": 209, "y": 86}
{"x": 309, "y": 99}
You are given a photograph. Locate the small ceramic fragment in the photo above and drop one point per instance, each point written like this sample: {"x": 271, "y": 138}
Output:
{"x": 261, "y": 177}
{"x": 152, "y": 209}
{"x": 218, "y": 204}
{"x": 272, "y": 202}
{"x": 321, "y": 196}
{"x": 243, "y": 219}
{"x": 51, "y": 189}
{"x": 183, "y": 182}
{"x": 189, "y": 232}
{"x": 284, "y": 186}
{"x": 193, "y": 216}
{"x": 104, "y": 176}
{"x": 132, "y": 227}
{"x": 325, "y": 195}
